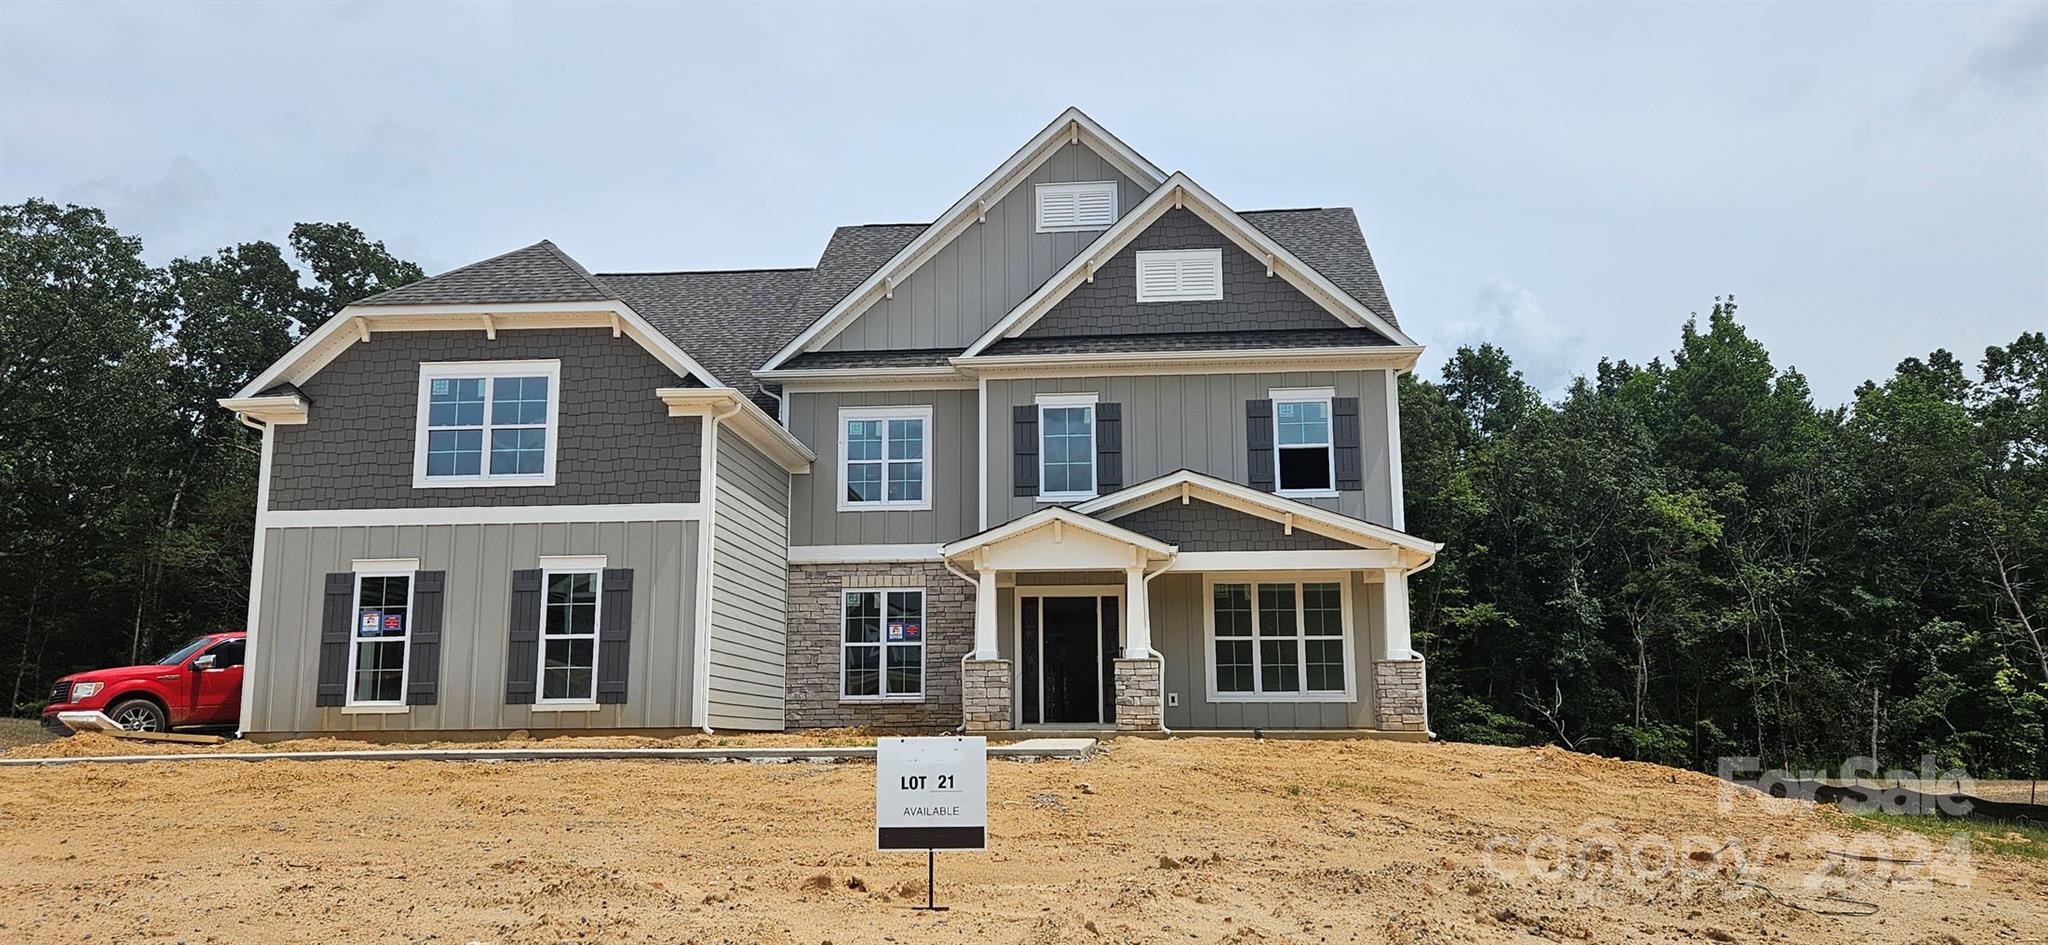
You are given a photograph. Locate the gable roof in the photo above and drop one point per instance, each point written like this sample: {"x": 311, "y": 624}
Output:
{"x": 1329, "y": 240}
{"x": 1181, "y": 192}
{"x": 1071, "y": 127}
{"x": 537, "y": 273}
{"x": 1211, "y": 488}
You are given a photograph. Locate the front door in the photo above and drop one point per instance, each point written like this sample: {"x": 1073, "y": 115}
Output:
{"x": 1067, "y": 642}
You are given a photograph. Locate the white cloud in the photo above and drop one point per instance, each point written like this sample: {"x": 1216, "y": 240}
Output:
{"x": 1546, "y": 350}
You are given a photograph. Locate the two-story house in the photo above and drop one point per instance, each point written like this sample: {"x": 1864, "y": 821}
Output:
{"x": 1091, "y": 449}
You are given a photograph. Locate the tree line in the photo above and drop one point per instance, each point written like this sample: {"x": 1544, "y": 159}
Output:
{"x": 1673, "y": 561}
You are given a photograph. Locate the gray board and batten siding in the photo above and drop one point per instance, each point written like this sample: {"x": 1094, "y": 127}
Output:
{"x": 750, "y": 588}
{"x": 476, "y": 622}
{"x": 1193, "y": 421}
{"x": 615, "y": 442}
{"x": 956, "y": 484}
{"x": 987, "y": 269}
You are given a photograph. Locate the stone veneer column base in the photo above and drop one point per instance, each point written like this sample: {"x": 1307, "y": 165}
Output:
{"x": 1400, "y": 695}
{"x": 1139, "y": 705}
{"x": 985, "y": 692}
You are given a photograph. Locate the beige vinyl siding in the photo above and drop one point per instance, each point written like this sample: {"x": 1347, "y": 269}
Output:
{"x": 815, "y": 518}
{"x": 749, "y": 588}
{"x": 479, "y": 561}
{"x": 1193, "y": 421}
{"x": 987, "y": 269}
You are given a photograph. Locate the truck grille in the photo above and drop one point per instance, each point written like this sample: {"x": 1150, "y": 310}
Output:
{"x": 62, "y": 693}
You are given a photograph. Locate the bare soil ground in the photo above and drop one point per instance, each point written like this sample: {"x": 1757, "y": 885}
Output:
{"x": 1187, "y": 840}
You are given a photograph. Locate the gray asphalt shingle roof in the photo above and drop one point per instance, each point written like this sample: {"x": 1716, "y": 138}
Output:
{"x": 537, "y": 273}
{"x": 734, "y": 321}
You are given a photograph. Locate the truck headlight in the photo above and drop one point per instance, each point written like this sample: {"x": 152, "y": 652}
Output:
{"x": 85, "y": 690}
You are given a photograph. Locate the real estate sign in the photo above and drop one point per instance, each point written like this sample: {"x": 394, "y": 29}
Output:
{"x": 931, "y": 793}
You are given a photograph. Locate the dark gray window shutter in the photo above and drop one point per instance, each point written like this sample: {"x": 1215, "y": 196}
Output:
{"x": 1258, "y": 439}
{"x": 522, "y": 656}
{"x": 1344, "y": 436}
{"x": 1109, "y": 448}
{"x": 1024, "y": 443}
{"x": 423, "y": 663}
{"x": 335, "y": 621}
{"x": 614, "y": 635}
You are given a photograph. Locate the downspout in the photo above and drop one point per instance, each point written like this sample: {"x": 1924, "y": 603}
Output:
{"x": 964, "y": 657}
{"x": 1154, "y": 651}
{"x": 707, "y": 547}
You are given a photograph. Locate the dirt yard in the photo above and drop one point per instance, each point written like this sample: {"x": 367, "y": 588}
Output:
{"x": 1188, "y": 840}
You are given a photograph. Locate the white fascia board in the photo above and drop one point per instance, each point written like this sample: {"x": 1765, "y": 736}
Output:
{"x": 481, "y": 515}
{"x": 1180, "y": 191}
{"x": 277, "y": 408}
{"x": 1263, "y": 504}
{"x": 356, "y": 323}
{"x": 730, "y": 407}
{"x": 1047, "y": 516}
{"x": 857, "y": 554}
{"x": 1070, "y": 128}
{"x": 1349, "y": 357}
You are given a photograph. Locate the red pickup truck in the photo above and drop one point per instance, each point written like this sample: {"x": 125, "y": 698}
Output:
{"x": 199, "y": 684}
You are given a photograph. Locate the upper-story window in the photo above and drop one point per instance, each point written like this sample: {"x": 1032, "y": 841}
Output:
{"x": 1066, "y": 447}
{"x": 487, "y": 422}
{"x": 1180, "y": 275}
{"x": 1065, "y": 208}
{"x": 885, "y": 458}
{"x": 1303, "y": 449}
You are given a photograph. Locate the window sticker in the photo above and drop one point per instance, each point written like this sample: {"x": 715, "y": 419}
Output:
{"x": 372, "y": 619}
{"x": 442, "y": 385}
{"x": 394, "y": 623}
{"x": 901, "y": 631}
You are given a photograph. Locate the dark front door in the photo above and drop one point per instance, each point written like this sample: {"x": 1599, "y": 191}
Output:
{"x": 1072, "y": 660}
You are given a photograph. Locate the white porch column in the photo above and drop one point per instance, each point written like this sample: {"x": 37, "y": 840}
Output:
{"x": 1394, "y": 643}
{"x": 1137, "y": 615}
{"x": 985, "y": 616}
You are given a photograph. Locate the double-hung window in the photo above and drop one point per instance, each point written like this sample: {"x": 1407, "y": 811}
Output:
{"x": 568, "y": 629}
{"x": 1066, "y": 447}
{"x": 1279, "y": 640}
{"x": 885, "y": 458}
{"x": 1304, "y": 458}
{"x": 487, "y": 422}
{"x": 882, "y": 644}
{"x": 379, "y": 630}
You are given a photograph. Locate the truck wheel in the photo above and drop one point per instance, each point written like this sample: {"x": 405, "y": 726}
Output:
{"x": 139, "y": 715}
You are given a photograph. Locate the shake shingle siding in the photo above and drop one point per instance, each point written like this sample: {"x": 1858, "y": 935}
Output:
{"x": 1251, "y": 300}
{"x": 1204, "y": 526}
{"x": 750, "y": 588}
{"x": 616, "y": 441}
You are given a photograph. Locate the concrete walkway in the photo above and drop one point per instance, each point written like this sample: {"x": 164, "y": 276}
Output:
{"x": 1030, "y": 749}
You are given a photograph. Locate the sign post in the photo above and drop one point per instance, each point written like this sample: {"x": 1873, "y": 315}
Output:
{"x": 931, "y": 794}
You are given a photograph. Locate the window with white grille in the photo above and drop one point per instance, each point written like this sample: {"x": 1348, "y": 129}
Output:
{"x": 1065, "y": 208}
{"x": 1180, "y": 275}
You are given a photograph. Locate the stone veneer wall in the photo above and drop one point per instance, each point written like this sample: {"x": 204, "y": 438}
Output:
{"x": 1139, "y": 703}
{"x": 813, "y": 673}
{"x": 988, "y": 695}
{"x": 1400, "y": 696}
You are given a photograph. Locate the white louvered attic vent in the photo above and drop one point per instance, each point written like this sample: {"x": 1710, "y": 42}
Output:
{"x": 1066, "y": 208}
{"x": 1180, "y": 275}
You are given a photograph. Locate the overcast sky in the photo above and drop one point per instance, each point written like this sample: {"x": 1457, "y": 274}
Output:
{"x": 1871, "y": 182}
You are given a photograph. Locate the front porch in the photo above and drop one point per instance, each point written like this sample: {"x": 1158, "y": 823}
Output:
{"x": 1191, "y": 603}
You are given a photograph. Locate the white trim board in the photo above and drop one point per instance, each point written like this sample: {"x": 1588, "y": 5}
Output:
{"x": 858, "y": 554}
{"x": 1181, "y": 192}
{"x": 1072, "y": 127}
{"x": 483, "y": 515}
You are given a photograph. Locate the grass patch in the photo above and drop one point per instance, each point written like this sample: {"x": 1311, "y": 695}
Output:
{"x": 15, "y": 733}
{"x": 1989, "y": 836}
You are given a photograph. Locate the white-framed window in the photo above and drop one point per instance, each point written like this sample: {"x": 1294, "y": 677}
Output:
{"x": 1084, "y": 205}
{"x": 1180, "y": 275}
{"x": 380, "y": 631}
{"x": 572, "y": 591}
{"x": 882, "y": 644}
{"x": 1281, "y": 638}
{"x": 1304, "y": 450}
{"x": 885, "y": 458}
{"x": 1066, "y": 447}
{"x": 487, "y": 422}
